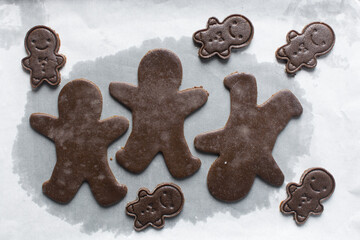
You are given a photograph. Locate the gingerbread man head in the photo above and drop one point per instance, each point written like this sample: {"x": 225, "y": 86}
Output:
{"x": 80, "y": 96}
{"x": 41, "y": 39}
{"x": 302, "y": 49}
{"x": 150, "y": 208}
{"x": 160, "y": 70}
{"x": 316, "y": 185}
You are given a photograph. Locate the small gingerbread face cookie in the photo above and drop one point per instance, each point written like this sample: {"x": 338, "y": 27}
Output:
{"x": 236, "y": 31}
{"x": 302, "y": 49}
{"x": 150, "y": 209}
{"x": 316, "y": 185}
{"x": 42, "y": 44}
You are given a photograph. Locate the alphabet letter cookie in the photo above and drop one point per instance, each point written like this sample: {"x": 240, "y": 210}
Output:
{"x": 42, "y": 45}
{"x": 246, "y": 142}
{"x": 316, "y": 185}
{"x": 159, "y": 110}
{"x": 302, "y": 49}
{"x": 236, "y": 31}
{"x": 150, "y": 209}
{"x": 81, "y": 141}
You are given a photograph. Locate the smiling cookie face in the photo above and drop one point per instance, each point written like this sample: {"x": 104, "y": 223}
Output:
{"x": 43, "y": 61}
{"x": 235, "y": 31}
{"x": 316, "y": 185}
{"x": 41, "y": 39}
{"x": 302, "y": 49}
{"x": 150, "y": 208}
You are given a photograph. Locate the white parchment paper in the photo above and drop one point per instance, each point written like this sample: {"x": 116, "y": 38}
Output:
{"x": 105, "y": 40}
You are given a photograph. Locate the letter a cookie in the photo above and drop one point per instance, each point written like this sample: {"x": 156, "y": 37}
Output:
{"x": 159, "y": 111}
{"x": 246, "y": 142}
{"x": 81, "y": 141}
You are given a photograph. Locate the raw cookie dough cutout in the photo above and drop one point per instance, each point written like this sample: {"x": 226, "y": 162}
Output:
{"x": 316, "y": 185}
{"x": 159, "y": 110}
{"x": 246, "y": 142}
{"x": 236, "y": 31}
{"x": 81, "y": 141}
{"x": 151, "y": 209}
{"x": 302, "y": 49}
{"x": 42, "y": 45}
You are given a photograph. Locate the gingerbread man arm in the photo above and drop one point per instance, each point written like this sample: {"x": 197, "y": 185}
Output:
{"x": 124, "y": 93}
{"x": 318, "y": 209}
{"x": 44, "y": 124}
{"x": 113, "y": 127}
{"x": 282, "y": 107}
{"x": 26, "y": 62}
{"x": 60, "y": 59}
{"x": 192, "y": 99}
{"x": 209, "y": 142}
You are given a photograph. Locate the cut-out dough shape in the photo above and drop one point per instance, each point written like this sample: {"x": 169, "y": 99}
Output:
{"x": 316, "y": 185}
{"x": 81, "y": 141}
{"x": 151, "y": 209}
{"x": 302, "y": 49}
{"x": 42, "y": 45}
{"x": 246, "y": 142}
{"x": 159, "y": 110}
{"x": 236, "y": 31}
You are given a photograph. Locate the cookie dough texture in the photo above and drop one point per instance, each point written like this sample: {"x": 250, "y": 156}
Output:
{"x": 302, "y": 49}
{"x": 236, "y": 31}
{"x": 151, "y": 209}
{"x": 316, "y": 185}
{"x": 158, "y": 113}
{"x": 42, "y": 45}
{"x": 246, "y": 142}
{"x": 81, "y": 140}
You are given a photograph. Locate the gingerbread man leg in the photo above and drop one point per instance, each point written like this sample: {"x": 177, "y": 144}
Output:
{"x": 269, "y": 171}
{"x": 105, "y": 188}
{"x": 63, "y": 184}
{"x": 137, "y": 153}
{"x": 229, "y": 178}
{"x": 178, "y": 158}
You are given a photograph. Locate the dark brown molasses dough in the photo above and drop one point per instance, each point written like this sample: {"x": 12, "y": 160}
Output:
{"x": 236, "y": 31}
{"x": 81, "y": 141}
{"x": 42, "y": 44}
{"x": 316, "y": 185}
{"x": 302, "y": 49}
{"x": 151, "y": 209}
{"x": 159, "y": 111}
{"x": 246, "y": 142}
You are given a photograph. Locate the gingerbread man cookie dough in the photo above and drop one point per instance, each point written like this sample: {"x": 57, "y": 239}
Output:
{"x": 42, "y": 45}
{"x": 159, "y": 110}
{"x": 316, "y": 185}
{"x": 302, "y": 49}
{"x": 236, "y": 31}
{"x": 81, "y": 141}
{"x": 151, "y": 209}
{"x": 246, "y": 142}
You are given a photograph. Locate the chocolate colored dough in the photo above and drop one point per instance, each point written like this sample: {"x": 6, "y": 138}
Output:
{"x": 236, "y": 31}
{"x": 81, "y": 141}
{"x": 159, "y": 111}
{"x": 42, "y": 45}
{"x": 302, "y": 49}
{"x": 151, "y": 209}
{"x": 246, "y": 142}
{"x": 316, "y": 185}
